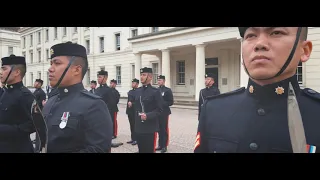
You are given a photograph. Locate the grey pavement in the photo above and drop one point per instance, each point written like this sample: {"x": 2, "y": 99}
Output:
{"x": 183, "y": 128}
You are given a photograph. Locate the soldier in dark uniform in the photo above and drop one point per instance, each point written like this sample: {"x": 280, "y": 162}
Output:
{"x": 210, "y": 90}
{"x": 167, "y": 96}
{"x": 39, "y": 93}
{"x": 273, "y": 114}
{"x": 16, "y": 123}
{"x": 113, "y": 84}
{"x": 130, "y": 111}
{"x": 40, "y": 96}
{"x": 93, "y": 86}
{"x": 148, "y": 105}
{"x": 107, "y": 95}
{"x": 78, "y": 121}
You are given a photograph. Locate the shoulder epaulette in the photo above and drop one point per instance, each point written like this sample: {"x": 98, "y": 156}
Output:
{"x": 237, "y": 91}
{"x": 89, "y": 94}
{"x": 311, "y": 93}
{"x": 53, "y": 92}
{"x": 25, "y": 90}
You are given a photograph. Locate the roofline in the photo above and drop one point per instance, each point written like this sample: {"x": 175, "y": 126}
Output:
{"x": 160, "y": 32}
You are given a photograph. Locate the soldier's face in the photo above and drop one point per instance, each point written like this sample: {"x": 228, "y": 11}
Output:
{"x": 4, "y": 74}
{"x": 145, "y": 78}
{"x": 160, "y": 82}
{"x": 93, "y": 85}
{"x": 112, "y": 84}
{"x": 36, "y": 84}
{"x": 266, "y": 49}
{"x": 102, "y": 79}
{"x": 134, "y": 84}
{"x": 57, "y": 67}
{"x": 208, "y": 81}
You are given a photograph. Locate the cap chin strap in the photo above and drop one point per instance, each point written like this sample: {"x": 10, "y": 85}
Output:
{"x": 65, "y": 71}
{"x": 285, "y": 64}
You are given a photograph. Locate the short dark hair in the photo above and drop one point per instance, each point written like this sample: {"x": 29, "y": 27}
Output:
{"x": 82, "y": 62}
{"x": 304, "y": 34}
{"x": 22, "y": 68}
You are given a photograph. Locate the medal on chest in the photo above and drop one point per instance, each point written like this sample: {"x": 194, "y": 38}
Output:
{"x": 64, "y": 120}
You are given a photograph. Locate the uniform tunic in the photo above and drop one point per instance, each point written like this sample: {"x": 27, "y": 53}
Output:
{"x": 130, "y": 111}
{"x": 150, "y": 99}
{"x": 167, "y": 96}
{"x": 16, "y": 123}
{"x": 255, "y": 120}
{"x": 89, "y": 125}
{"x": 204, "y": 93}
{"x": 40, "y": 96}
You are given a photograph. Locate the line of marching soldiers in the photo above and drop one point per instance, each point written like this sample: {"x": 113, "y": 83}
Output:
{"x": 72, "y": 119}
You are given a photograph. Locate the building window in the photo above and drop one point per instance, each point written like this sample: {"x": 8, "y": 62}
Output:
{"x": 39, "y": 37}
{"x": 88, "y": 46}
{"x": 299, "y": 74}
{"x": 181, "y": 73}
{"x": 101, "y": 44}
{"x": 118, "y": 41}
{"x": 86, "y": 28}
{"x": 155, "y": 70}
{"x": 48, "y": 78}
{"x": 47, "y": 35}
{"x": 134, "y": 32}
{"x": 102, "y": 68}
{"x": 55, "y": 32}
{"x": 24, "y": 54}
{"x": 75, "y": 30}
{"x": 64, "y": 31}
{"x": 31, "y": 56}
{"x": 10, "y": 50}
{"x": 39, "y": 75}
{"x": 31, "y": 40}
{"x": 31, "y": 79}
{"x": 133, "y": 71}
{"x": 24, "y": 42}
{"x": 88, "y": 76}
{"x": 47, "y": 54}
{"x": 39, "y": 55}
{"x": 118, "y": 75}
{"x": 155, "y": 29}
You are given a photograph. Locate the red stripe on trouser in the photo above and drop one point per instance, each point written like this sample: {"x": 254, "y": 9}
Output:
{"x": 168, "y": 132}
{"x": 155, "y": 141}
{"x": 115, "y": 132}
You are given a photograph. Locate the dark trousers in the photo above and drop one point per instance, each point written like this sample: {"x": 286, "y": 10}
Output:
{"x": 147, "y": 142}
{"x": 131, "y": 122}
{"x": 115, "y": 123}
{"x": 164, "y": 131}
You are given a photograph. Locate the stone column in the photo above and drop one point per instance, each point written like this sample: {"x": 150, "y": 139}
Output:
{"x": 200, "y": 69}
{"x": 243, "y": 75}
{"x": 137, "y": 65}
{"x": 165, "y": 66}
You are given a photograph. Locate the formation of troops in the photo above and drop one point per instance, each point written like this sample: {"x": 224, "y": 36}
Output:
{"x": 271, "y": 115}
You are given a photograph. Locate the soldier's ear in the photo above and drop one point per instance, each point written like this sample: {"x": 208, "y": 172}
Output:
{"x": 77, "y": 69}
{"x": 306, "y": 51}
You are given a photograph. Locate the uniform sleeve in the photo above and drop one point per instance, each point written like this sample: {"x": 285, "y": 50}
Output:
{"x": 217, "y": 91}
{"x": 157, "y": 111}
{"x": 26, "y": 127}
{"x": 169, "y": 99}
{"x": 199, "y": 104}
{"x": 98, "y": 129}
{"x": 130, "y": 97}
{"x": 201, "y": 142}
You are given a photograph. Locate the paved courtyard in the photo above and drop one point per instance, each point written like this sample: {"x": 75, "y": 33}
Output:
{"x": 183, "y": 126}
